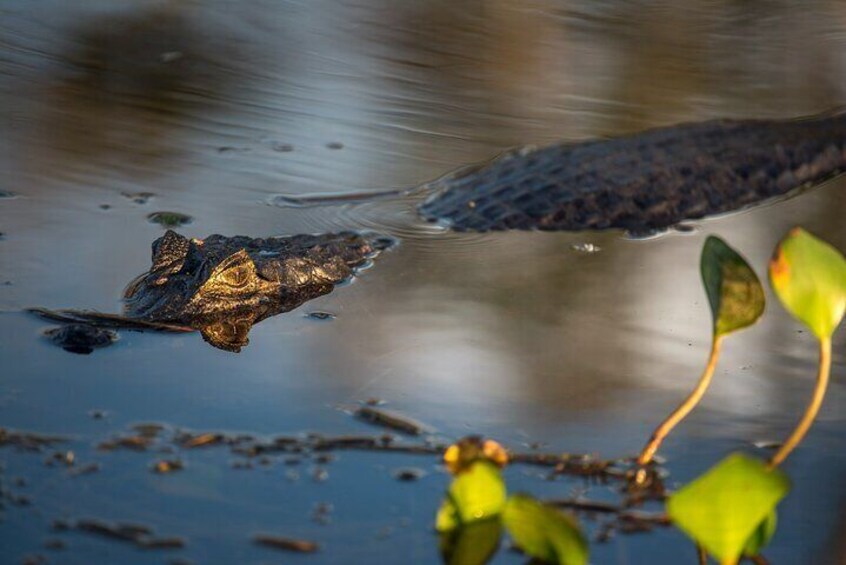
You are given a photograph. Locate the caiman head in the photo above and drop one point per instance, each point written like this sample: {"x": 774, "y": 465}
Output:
{"x": 221, "y": 286}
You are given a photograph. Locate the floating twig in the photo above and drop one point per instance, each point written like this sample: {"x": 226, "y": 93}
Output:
{"x": 392, "y": 420}
{"x": 286, "y": 544}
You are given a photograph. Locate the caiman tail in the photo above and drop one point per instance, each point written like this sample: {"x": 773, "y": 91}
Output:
{"x": 643, "y": 182}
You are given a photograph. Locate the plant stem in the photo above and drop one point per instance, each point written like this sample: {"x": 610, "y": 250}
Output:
{"x": 813, "y": 407}
{"x": 700, "y": 553}
{"x": 685, "y": 407}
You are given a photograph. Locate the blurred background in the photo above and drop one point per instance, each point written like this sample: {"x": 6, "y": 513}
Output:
{"x": 112, "y": 110}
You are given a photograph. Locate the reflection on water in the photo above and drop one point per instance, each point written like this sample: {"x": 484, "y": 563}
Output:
{"x": 513, "y": 335}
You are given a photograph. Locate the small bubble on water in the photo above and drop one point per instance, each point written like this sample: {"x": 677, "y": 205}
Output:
{"x": 138, "y": 197}
{"x": 319, "y": 475}
{"x": 586, "y": 247}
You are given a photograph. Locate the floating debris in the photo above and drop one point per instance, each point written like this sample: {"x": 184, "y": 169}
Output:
{"x": 325, "y": 458}
{"x": 392, "y": 420}
{"x": 346, "y": 442}
{"x": 55, "y": 544}
{"x": 161, "y": 543}
{"x": 135, "y": 443}
{"x": 587, "y": 248}
{"x": 165, "y": 466}
{"x": 319, "y": 475}
{"x": 105, "y": 206}
{"x": 170, "y": 219}
{"x": 100, "y": 319}
{"x": 202, "y": 440}
{"x": 7, "y": 194}
{"x": 60, "y": 525}
{"x": 583, "y": 505}
{"x": 278, "y": 445}
{"x": 140, "y": 535}
{"x": 117, "y": 531}
{"x": 570, "y": 464}
{"x": 138, "y": 197}
{"x": 322, "y": 513}
{"x": 98, "y": 414}
{"x": 282, "y": 147}
{"x": 409, "y": 474}
{"x": 79, "y": 338}
{"x": 767, "y": 444}
{"x": 86, "y": 469}
{"x": 335, "y": 145}
{"x": 148, "y": 430}
{"x": 317, "y": 315}
{"x": 29, "y": 441}
{"x": 286, "y": 544}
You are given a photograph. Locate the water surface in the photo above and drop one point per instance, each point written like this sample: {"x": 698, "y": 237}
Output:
{"x": 216, "y": 107}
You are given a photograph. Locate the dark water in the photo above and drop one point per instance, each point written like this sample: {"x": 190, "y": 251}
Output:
{"x": 215, "y": 107}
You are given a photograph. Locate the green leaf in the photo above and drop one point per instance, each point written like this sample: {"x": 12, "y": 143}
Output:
{"x": 809, "y": 277}
{"x": 762, "y": 535}
{"x": 734, "y": 291}
{"x": 545, "y": 533}
{"x": 447, "y": 518}
{"x": 474, "y": 544}
{"x": 722, "y": 509}
{"x": 476, "y": 494}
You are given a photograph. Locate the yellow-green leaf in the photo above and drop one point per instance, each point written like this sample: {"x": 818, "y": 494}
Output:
{"x": 476, "y": 494}
{"x": 545, "y": 533}
{"x": 809, "y": 277}
{"x": 762, "y": 535}
{"x": 722, "y": 509}
{"x": 474, "y": 544}
{"x": 447, "y": 518}
{"x": 734, "y": 291}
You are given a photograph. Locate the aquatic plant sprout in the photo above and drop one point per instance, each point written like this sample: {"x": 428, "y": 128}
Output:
{"x": 476, "y": 494}
{"x": 737, "y": 301}
{"x": 730, "y": 510}
{"x": 544, "y": 533}
{"x": 475, "y": 509}
{"x": 809, "y": 277}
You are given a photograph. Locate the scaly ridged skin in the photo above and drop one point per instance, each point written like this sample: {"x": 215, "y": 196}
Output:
{"x": 223, "y": 285}
{"x": 642, "y": 182}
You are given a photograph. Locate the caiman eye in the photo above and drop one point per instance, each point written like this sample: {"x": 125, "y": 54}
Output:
{"x": 236, "y": 277}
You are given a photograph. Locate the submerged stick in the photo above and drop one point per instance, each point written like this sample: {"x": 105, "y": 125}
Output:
{"x": 104, "y": 320}
{"x": 286, "y": 544}
{"x": 685, "y": 407}
{"x": 813, "y": 407}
